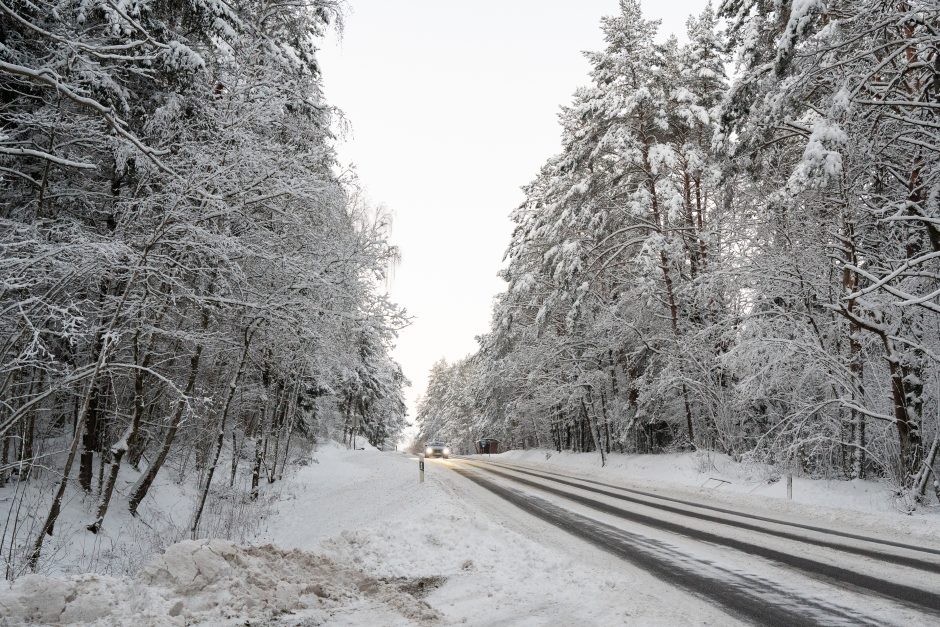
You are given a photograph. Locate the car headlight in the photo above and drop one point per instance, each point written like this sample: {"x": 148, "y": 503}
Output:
{"x": 446, "y": 451}
{"x": 428, "y": 451}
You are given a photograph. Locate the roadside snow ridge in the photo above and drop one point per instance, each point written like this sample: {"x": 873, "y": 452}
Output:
{"x": 216, "y": 582}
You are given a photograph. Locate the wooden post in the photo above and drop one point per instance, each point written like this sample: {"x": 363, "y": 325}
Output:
{"x": 790, "y": 486}
{"x": 421, "y": 468}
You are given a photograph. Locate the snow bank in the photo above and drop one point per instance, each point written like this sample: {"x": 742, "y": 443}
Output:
{"x": 83, "y": 599}
{"x": 214, "y": 582}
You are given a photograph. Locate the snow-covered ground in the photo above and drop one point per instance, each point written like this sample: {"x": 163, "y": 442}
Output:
{"x": 356, "y": 540}
{"x": 124, "y": 544}
{"x": 483, "y": 562}
{"x": 862, "y": 504}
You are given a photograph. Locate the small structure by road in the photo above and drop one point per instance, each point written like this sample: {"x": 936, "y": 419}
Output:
{"x": 487, "y": 446}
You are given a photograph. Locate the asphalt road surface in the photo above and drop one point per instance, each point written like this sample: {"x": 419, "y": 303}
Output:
{"x": 760, "y": 569}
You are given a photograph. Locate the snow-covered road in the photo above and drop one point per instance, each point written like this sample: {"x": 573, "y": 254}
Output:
{"x": 491, "y": 563}
{"x": 762, "y": 569}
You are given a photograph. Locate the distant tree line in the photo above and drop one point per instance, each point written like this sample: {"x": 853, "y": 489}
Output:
{"x": 749, "y": 266}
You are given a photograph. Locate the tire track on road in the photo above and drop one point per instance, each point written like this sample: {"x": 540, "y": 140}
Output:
{"x": 911, "y": 596}
{"x": 901, "y": 560}
{"x": 753, "y": 598}
{"x": 547, "y": 474}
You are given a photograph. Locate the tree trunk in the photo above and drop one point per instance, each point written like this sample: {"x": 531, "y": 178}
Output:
{"x": 595, "y": 430}
{"x": 259, "y": 451}
{"x": 102, "y": 347}
{"x": 104, "y": 458}
{"x": 908, "y": 434}
{"x": 669, "y": 287}
{"x": 277, "y": 424}
{"x": 26, "y": 452}
{"x": 909, "y": 440}
{"x": 290, "y": 433}
{"x": 117, "y": 453}
{"x": 4, "y": 460}
{"x": 90, "y": 438}
{"x": 121, "y": 446}
{"x": 56, "y": 507}
{"x": 147, "y": 478}
{"x": 923, "y": 477}
{"x": 235, "y": 455}
{"x": 856, "y": 364}
{"x": 220, "y": 435}
{"x": 292, "y": 409}
{"x": 256, "y": 469}
{"x": 700, "y": 206}
{"x": 690, "y": 240}
{"x": 688, "y": 415}
{"x": 89, "y": 441}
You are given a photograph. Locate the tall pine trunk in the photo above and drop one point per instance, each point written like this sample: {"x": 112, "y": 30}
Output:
{"x": 669, "y": 287}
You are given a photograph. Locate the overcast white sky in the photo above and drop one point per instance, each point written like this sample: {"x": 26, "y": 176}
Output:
{"x": 453, "y": 107}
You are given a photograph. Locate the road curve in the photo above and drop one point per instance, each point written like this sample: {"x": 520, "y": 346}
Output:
{"x": 773, "y": 592}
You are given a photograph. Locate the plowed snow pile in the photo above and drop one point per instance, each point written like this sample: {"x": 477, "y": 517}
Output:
{"x": 219, "y": 583}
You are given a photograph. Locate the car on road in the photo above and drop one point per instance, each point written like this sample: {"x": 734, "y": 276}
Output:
{"x": 437, "y": 449}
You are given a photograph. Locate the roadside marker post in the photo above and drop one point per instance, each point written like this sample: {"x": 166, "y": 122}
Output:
{"x": 789, "y": 486}
{"x": 421, "y": 468}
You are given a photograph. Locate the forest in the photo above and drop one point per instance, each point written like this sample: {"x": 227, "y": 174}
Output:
{"x": 191, "y": 287}
{"x": 737, "y": 249}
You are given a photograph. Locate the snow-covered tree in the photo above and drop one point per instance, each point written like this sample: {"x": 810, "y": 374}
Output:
{"x": 185, "y": 275}
{"x": 751, "y": 265}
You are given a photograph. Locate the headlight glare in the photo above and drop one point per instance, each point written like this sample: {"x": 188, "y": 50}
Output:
{"x": 429, "y": 451}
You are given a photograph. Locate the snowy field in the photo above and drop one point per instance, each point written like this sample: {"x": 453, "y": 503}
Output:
{"x": 360, "y": 542}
